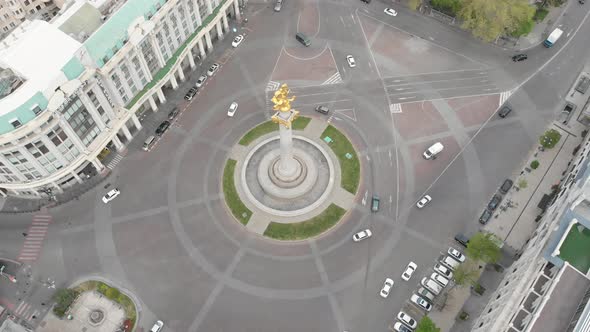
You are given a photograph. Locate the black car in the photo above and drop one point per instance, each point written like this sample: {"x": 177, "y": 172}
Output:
{"x": 162, "y": 128}
{"x": 366, "y": 1}
{"x": 519, "y": 57}
{"x": 191, "y": 93}
{"x": 504, "y": 111}
{"x": 322, "y": 109}
{"x": 173, "y": 114}
{"x": 462, "y": 239}
{"x": 493, "y": 204}
{"x": 506, "y": 186}
{"x": 485, "y": 217}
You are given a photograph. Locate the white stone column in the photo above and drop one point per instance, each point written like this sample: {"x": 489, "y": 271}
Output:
{"x": 287, "y": 164}
{"x": 78, "y": 178}
{"x": 63, "y": 123}
{"x": 118, "y": 144}
{"x": 102, "y": 99}
{"x": 224, "y": 19}
{"x": 208, "y": 41}
{"x": 126, "y": 132}
{"x": 133, "y": 71}
{"x": 197, "y": 13}
{"x": 153, "y": 103}
{"x": 15, "y": 192}
{"x": 98, "y": 165}
{"x": 173, "y": 81}
{"x": 112, "y": 90}
{"x": 209, "y": 6}
{"x": 92, "y": 110}
{"x": 202, "y": 48}
{"x": 136, "y": 121}
{"x": 57, "y": 187}
{"x": 143, "y": 63}
{"x": 191, "y": 60}
{"x": 123, "y": 80}
{"x": 237, "y": 10}
{"x": 181, "y": 73}
{"x": 161, "y": 95}
{"x": 219, "y": 30}
{"x": 156, "y": 50}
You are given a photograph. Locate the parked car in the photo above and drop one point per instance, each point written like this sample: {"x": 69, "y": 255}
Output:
{"x": 390, "y": 12}
{"x": 366, "y": 1}
{"x": 399, "y": 327}
{"x": 443, "y": 270}
{"x": 439, "y": 279}
{"x": 322, "y": 109}
{"x": 407, "y": 320}
{"x": 232, "y": 109}
{"x": 432, "y": 286}
{"x": 111, "y": 195}
{"x": 565, "y": 115}
{"x": 162, "y": 128}
{"x": 278, "y": 5}
{"x": 375, "y": 203}
{"x": 451, "y": 263}
{"x": 213, "y": 69}
{"x": 519, "y": 57}
{"x": 237, "y": 41}
{"x": 173, "y": 114}
{"x": 409, "y": 271}
{"x": 506, "y": 186}
{"x": 421, "y": 302}
{"x": 191, "y": 93}
{"x": 494, "y": 202}
{"x": 425, "y": 293}
{"x": 362, "y": 235}
{"x": 504, "y": 111}
{"x": 386, "y": 288}
{"x": 157, "y": 326}
{"x": 423, "y": 201}
{"x": 350, "y": 60}
{"x": 485, "y": 217}
{"x": 462, "y": 239}
{"x": 200, "y": 81}
{"x": 456, "y": 254}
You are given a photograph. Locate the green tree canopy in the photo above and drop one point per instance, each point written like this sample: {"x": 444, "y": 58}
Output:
{"x": 484, "y": 247}
{"x": 490, "y": 19}
{"x": 427, "y": 325}
{"x": 466, "y": 274}
{"x": 447, "y": 6}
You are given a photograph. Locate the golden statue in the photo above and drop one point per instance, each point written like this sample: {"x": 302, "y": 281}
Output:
{"x": 282, "y": 103}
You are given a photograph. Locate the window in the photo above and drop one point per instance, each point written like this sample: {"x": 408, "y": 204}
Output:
{"x": 36, "y": 109}
{"x": 15, "y": 123}
{"x": 38, "y": 7}
{"x": 27, "y": 2}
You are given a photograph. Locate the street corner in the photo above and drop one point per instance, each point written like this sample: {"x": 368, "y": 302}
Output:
{"x": 305, "y": 65}
{"x": 419, "y": 119}
{"x": 308, "y": 21}
{"x": 428, "y": 170}
{"x": 476, "y": 110}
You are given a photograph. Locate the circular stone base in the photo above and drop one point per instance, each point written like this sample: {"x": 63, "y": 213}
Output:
{"x": 287, "y": 182}
{"x": 277, "y": 187}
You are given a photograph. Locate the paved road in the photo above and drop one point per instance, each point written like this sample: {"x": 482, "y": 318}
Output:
{"x": 169, "y": 239}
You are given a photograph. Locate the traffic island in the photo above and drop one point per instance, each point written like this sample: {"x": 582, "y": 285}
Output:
{"x": 292, "y": 178}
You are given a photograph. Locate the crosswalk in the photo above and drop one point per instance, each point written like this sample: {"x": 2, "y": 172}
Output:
{"x": 333, "y": 79}
{"x": 34, "y": 238}
{"x": 113, "y": 163}
{"x": 25, "y": 311}
{"x": 504, "y": 96}
{"x": 272, "y": 86}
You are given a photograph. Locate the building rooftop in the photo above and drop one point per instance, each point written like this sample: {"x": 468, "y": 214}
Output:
{"x": 561, "y": 303}
{"x": 575, "y": 249}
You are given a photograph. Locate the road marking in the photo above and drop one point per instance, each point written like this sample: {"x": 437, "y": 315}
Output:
{"x": 395, "y": 108}
{"x": 342, "y": 20}
{"x": 405, "y": 98}
{"x": 342, "y": 111}
{"x": 390, "y": 158}
{"x": 352, "y": 16}
{"x": 272, "y": 86}
{"x": 364, "y": 200}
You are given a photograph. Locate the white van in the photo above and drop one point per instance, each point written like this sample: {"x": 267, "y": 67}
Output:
{"x": 432, "y": 286}
{"x": 149, "y": 142}
{"x": 433, "y": 150}
{"x": 451, "y": 263}
{"x": 425, "y": 293}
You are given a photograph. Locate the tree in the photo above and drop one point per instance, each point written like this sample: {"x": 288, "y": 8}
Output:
{"x": 490, "y": 19}
{"x": 522, "y": 183}
{"x": 63, "y": 300}
{"x": 550, "y": 138}
{"x": 484, "y": 247}
{"x": 466, "y": 274}
{"x": 427, "y": 325}
{"x": 447, "y": 6}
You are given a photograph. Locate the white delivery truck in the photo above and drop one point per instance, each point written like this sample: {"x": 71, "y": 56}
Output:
{"x": 433, "y": 150}
{"x": 553, "y": 37}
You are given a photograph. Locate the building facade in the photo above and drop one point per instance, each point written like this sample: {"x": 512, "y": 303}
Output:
{"x": 547, "y": 289}
{"x": 101, "y": 67}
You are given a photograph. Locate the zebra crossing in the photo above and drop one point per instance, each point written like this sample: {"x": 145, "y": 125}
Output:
{"x": 333, "y": 79}
{"x": 504, "y": 96}
{"x": 272, "y": 86}
{"x": 34, "y": 238}
{"x": 25, "y": 311}
{"x": 395, "y": 108}
{"x": 113, "y": 163}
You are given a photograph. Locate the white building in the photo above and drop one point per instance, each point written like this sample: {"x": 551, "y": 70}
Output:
{"x": 547, "y": 289}
{"x": 73, "y": 86}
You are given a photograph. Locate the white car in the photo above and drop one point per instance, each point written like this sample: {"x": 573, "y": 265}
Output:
{"x": 423, "y": 201}
{"x": 200, "y": 81}
{"x": 157, "y": 326}
{"x": 213, "y": 69}
{"x": 350, "y": 60}
{"x": 399, "y": 327}
{"x": 407, "y": 319}
{"x": 439, "y": 279}
{"x": 232, "y": 109}
{"x": 443, "y": 270}
{"x": 409, "y": 271}
{"x": 390, "y": 12}
{"x": 111, "y": 195}
{"x": 456, "y": 254}
{"x": 420, "y": 302}
{"x": 386, "y": 288}
{"x": 237, "y": 41}
{"x": 362, "y": 235}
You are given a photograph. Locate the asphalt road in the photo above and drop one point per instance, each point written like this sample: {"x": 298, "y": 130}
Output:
{"x": 169, "y": 239}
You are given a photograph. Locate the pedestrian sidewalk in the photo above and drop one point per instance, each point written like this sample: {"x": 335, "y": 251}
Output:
{"x": 541, "y": 30}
